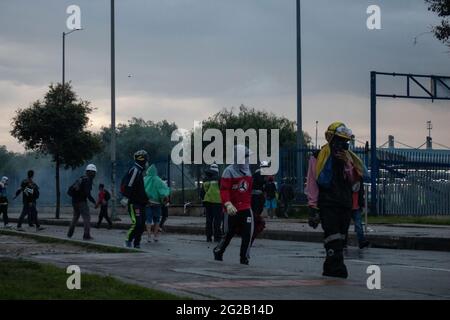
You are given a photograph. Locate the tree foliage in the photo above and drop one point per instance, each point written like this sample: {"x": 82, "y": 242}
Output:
{"x": 442, "y": 8}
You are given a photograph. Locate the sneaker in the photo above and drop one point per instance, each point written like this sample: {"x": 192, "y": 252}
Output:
{"x": 364, "y": 244}
{"x": 40, "y": 228}
{"x": 128, "y": 244}
{"x": 20, "y": 229}
{"x": 8, "y": 226}
{"x": 88, "y": 238}
{"x": 244, "y": 261}
{"x": 286, "y": 216}
{"x": 137, "y": 246}
{"x": 218, "y": 256}
{"x": 149, "y": 239}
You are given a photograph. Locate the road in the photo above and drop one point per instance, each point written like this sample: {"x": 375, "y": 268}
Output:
{"x": 184, "y": 264}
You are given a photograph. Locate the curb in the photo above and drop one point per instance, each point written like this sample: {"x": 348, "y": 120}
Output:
{"x": 377, "y": 241}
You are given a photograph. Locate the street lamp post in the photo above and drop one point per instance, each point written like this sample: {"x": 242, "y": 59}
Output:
{"x": 113, "y": 114}
{"x": 299, "y": 103}
{"x": 64, "y": 34}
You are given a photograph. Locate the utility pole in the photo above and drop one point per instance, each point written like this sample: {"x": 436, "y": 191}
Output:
{"x": 317, "y": 123}
{"x": 113, "y": 115}
{"x": 299, "y": 103}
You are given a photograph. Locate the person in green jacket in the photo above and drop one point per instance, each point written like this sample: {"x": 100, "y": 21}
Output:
{"x": 158, "y": 193}
{"x": 213, "y": 204}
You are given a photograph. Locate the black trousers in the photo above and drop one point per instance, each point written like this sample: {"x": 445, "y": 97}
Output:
{"x": 164, "y": 215}
{"x": 4, "y": 212}
{"x": 335, "y": 223}
{"x": 213, "y": 220}
{"x": 103, "y": 214}
{"x": 80, "y": 209}
{"x": 30, "y": 211}
{"x": 258, "y": 201}
{"x": 137, "y": 215}
{"x": 242, "y": 222}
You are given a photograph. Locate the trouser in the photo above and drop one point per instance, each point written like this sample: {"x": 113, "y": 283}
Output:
{"x": 286, "y": 206}
{"x": 4, "y": 212}
{"x": 335, "y": 223}
{"x": 80, "y": 209}
{"x": 357, "y": 218}
{"x": 258, "y": 201}
{"x": 164, "y": 215}
{"x": 137, "y": 215}
{"x": 242, "y": 221}
{"x": 213, "y": 220}
{"x": 29, "y": 210}
{"x": 103, "y": 214}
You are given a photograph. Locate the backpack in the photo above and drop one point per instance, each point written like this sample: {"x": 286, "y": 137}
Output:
{"x": 107, "y": 196}
{"x": 75, "y": 188}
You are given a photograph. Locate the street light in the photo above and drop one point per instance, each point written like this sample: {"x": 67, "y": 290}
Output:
{"x": 113, "y": 114}
{"x": 299, "y": 103}
{"x": 64, "y": 34}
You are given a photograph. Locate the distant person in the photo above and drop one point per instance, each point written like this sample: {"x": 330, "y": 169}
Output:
{"x": 236, "y": 193}
{"x": 358, "y": 204}
{"x": 80, "y": 192}
{"x": 4, "y": 202}
{"x": 270, "y": 191}
{"x": 133, "y": 190}
{"x": 102, "y": 201}
{"x": 287, "y": 195}
{"x": 213, "y": 204}
{"x": 30, "y": 194}
{"x": 258, "y": 198}
{"x": 157, "y": 192}
{"x": 164, "y": 209}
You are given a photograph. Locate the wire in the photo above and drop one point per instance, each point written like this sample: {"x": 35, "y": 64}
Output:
{"x": 442, "y": 145}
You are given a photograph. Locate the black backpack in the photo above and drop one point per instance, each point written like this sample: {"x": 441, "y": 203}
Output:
{"x": 107, "y": 196}
{"x": 75, "y": 188}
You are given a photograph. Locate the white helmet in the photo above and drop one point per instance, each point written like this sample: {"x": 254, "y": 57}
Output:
{"x": 4, "y": 180}
{"x": 214, "y": 167}
{"x": 91, "y": 167}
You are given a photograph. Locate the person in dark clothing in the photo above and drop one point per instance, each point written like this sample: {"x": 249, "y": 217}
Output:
{"x": 80, "y": 192}
{"x": 286, "y": 196}
{"x": 4, "y": 202}
{"x": 164, "y": 210}
{"x": 331, "y": 175}
{"x": 270, "y": 192}
{"x": 30, "y": 194}
{"x": 258, "y": 198}
{"x": 213, "y": 204}
{"x": 133, "y": 189}
{"x": 102, "y": 202}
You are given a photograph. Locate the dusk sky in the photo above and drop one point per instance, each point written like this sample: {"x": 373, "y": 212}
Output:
{"x": 191, "y": 58}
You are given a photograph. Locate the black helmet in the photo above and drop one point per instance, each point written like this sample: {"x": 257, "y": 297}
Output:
{"x": 141, "y": 157}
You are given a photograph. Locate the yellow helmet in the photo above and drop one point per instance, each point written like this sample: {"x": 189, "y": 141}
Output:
{"x": 338, "y": 129}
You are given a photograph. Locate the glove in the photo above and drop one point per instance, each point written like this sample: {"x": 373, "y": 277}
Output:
{"x": 231, "y": 210}
{"x": 124, "y": 202}
{"x": 314, "y": 217}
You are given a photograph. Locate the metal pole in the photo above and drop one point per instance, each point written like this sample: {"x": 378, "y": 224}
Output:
{"x": 182, "y": 183}
{"x": 299, "y": 103}
{"x": 63, "y": 59}
{"x": 373, "y": 142}
{"x": 113, "y": 114}
{"x": 365, "y": 206}
{"x": 317, "y": 122}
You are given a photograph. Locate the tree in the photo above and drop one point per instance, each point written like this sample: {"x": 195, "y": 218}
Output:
{"x": 442, "y": 8}
{"x": 56, "y": 126}
{"x": 250, "y": 118}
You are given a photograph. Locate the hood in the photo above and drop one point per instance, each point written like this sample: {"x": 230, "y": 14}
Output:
{"x": 152, "y": 171}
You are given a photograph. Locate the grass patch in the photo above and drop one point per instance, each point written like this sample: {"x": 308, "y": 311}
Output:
{"x": 22, "y": 279}
{"x": 86, "y": 245}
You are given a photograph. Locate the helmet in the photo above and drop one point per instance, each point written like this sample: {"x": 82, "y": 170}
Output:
{"x": 141, "y": 157}
{"x": 241, "y": 153}
{"x": 214, "y": 168}
{"x": 264, "y": 164}
{"x": 91, "y": 167}
{"x": 4, "y": 180}
{"x": 338, "y": 129}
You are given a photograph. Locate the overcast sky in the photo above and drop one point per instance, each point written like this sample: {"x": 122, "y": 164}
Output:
{"x": 190, "y": 58}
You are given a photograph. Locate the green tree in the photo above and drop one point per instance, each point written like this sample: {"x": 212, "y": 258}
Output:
{"x": 56, "y": 126}
{"x": 442, "y": 8}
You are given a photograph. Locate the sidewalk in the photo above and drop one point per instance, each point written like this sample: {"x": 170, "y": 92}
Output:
{"x": 401, "y": 236}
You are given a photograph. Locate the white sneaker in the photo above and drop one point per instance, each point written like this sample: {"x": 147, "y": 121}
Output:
{"x": 8, "y": 226}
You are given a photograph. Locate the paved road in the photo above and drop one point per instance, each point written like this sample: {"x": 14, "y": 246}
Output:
{"x": 183, "y": 264}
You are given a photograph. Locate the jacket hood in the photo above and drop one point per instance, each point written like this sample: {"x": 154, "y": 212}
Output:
{"x": 152, "y": 171}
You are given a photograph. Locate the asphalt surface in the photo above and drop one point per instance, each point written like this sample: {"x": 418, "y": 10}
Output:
{"x": 288, "y": 270}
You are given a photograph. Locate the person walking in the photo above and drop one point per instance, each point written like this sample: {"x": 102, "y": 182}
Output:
{"x": 30, "y": 194}
{"x": 270, "y": 191}
{"x": 136, "y": 199}
{"x": 157, "y": 192}
{"x": 235, "y": 192}
{"x": 287, "y": 195}
{"x": 164, "y": 209}
{"x": 4, "y": 202}
{"x": 331, "y": 174}
{"x": 80, "y": 192}
{"x": 258, "y": 198}
{"x": 358, "y": 204}
{"x": 102, "y": 201}
{"x": 213, "y": 204}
